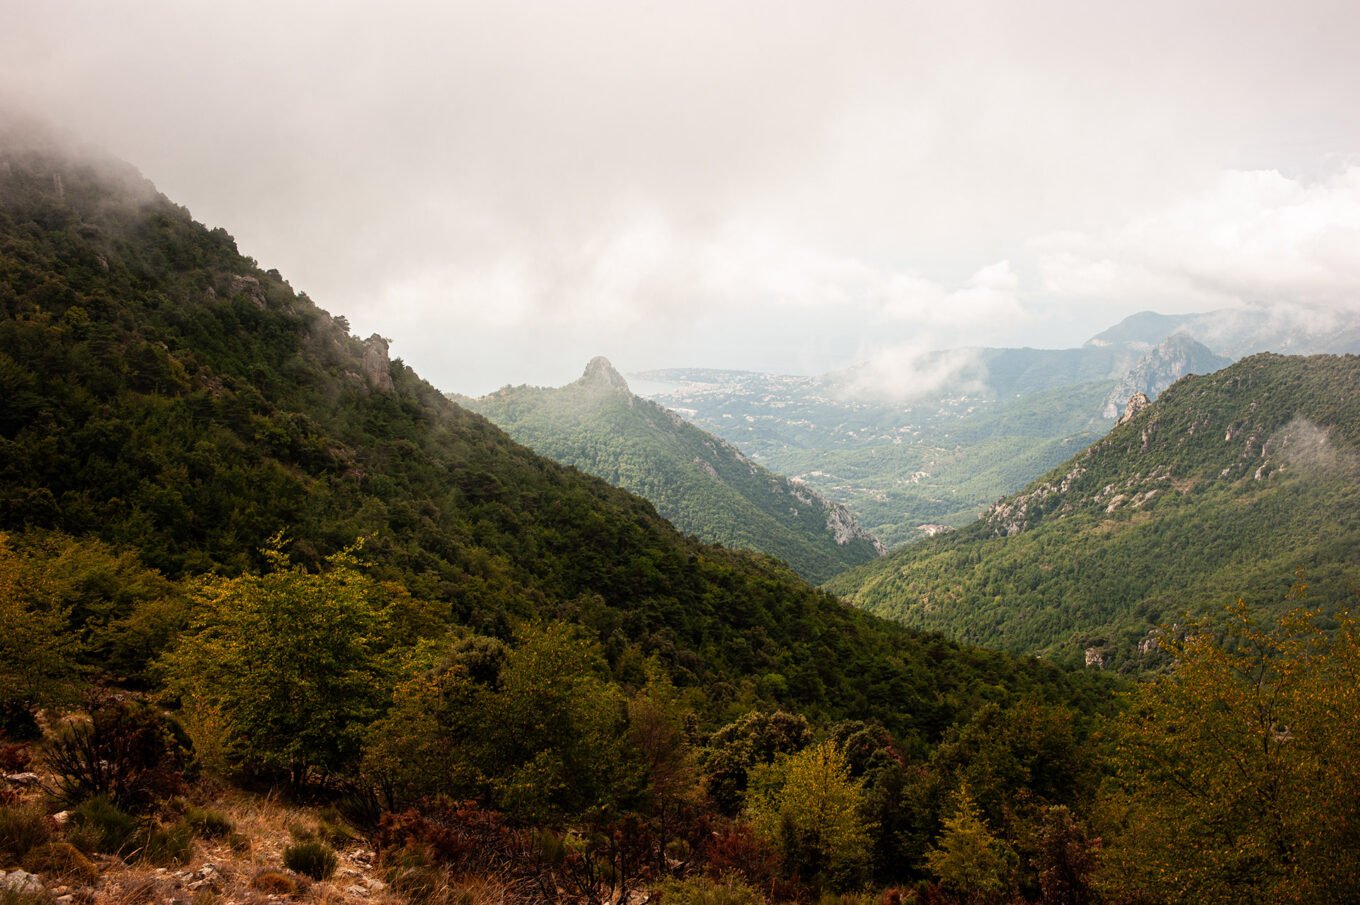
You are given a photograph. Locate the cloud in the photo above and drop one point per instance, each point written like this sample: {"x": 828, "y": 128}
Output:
{"x": 764, "y": 184}
{"x": 1252, "y": 238}
{"x": 906, "y": 371}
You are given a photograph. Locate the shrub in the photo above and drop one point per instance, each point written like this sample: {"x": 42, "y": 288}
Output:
{"x": 63, "y": 860}
{"x": 99, "y": 825}
{"x": 332, "y": 827}
{"x": 22, "y": 828}
{"x": 19, "y": 722}
{"x": 464, "y": 837}
{"x": 275, "y": 882}
{"x": 311, "y": 859}
{"x": 168, "y": 845}
{"x": 209, "y": 824}
{"x": 14, "y": 757}
{"x": 729, "y": 890}
{"x": 124, "y": 750}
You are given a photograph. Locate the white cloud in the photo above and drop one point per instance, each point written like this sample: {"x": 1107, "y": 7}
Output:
{"x": 760, "y": 184}
{"x": 1252, "y": 238}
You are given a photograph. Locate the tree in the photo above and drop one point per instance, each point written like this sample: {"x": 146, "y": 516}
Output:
{"x": 1235, "y": 773}
{"x": 968, "y": 859}
{"x": 37, "y": 650}
{"x": 755, "y": 739}
{"x": 808, "y": 806}
{"x": 289, "y": 665}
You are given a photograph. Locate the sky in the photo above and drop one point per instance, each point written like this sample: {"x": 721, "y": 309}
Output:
{"x": 506, "y": 189}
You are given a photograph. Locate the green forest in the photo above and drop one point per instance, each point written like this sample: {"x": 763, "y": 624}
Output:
{"x": 1225, "y": 487}
{"x": 245, "y": 557}
{"x": 699, "y": 483}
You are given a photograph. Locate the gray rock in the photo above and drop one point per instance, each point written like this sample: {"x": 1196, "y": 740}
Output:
{"x": 377, "y": 366}
{"x": 20, "y": 881}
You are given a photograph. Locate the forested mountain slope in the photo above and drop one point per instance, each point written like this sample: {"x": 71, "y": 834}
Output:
{"x": 703, "y": 485}
{"x": 163, "y": 394}
{"x": 1224, "y": 486}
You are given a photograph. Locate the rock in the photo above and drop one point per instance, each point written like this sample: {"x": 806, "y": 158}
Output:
{"x": 22, "y": 779}
{"x": 1137, "y": 402}
{"x": 65, "y": 900}
{"x": 600, "y": 374}
{"x": 206, "y": 877}
{"x": 377, "y": 366}
{"x": 1176, "y": 356}
{"x": 1095, "y": 656}
{"x": 61, "y": 818}
{"x": 249, "y": 287}
{"x": 20, "y": 881}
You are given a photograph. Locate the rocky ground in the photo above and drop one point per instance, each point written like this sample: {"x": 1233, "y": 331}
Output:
{"x": 242, "y": 868}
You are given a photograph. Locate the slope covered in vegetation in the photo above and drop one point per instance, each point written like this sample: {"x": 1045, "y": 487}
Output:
{"x": 213, "y": 496}
{"x": 1226, "y": 485}
{"x": 703, "y": 485}
{"x": 166, "y": 396}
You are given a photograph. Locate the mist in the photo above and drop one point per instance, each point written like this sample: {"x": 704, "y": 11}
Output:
{"x": 509, "y": 189}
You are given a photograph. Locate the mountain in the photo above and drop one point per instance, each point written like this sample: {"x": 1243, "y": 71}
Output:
{"x": 925, "y": 445}
{"x": 1223, "y": 487}
{"x": 1170, "y": 360}
{"x": 1238, "y": 332}
{"x": 163, "y": 396}
{"x": 701, "y": 484}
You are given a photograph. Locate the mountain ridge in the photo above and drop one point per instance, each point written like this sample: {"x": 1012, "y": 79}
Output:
{"x": 701, "y": 483}
{"x": 1225, "y": 486}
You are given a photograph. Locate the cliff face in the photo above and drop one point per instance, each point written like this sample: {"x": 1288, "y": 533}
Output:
{"x": 377, "y": 366}
{"x": 1164, "y": 364}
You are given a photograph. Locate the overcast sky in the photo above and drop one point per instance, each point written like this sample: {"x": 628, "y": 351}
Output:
{"x": 507, "y": 189}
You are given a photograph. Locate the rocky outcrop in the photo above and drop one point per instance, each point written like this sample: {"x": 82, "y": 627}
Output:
{"x": 600, "y": 375}
{"x": 249, "y": 287}
{"x": 377, "y": 366}
{"x": 845, "y": 528}
{"x": 1137, "y": 402}
{"x": 1164, "y": 364}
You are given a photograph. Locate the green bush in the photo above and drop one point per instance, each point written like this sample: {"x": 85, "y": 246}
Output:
{"x": 706, "y": 891}
{"x": 127, "y": 751}
{"x": 208, "y": 823}
{"x": 173, "y": 844}
{"x": 62, "y": 860}
{"x": 22, "y": 828}
{"x": 311, "y": 859}
{"x": 99, "y": 825}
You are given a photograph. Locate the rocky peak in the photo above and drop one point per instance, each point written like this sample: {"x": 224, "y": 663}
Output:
{"x": 377, "y": 366}
{"x": 599, "y": 373}
{"x": 1170, "y": 360}
{"x": 1137, "y": 402}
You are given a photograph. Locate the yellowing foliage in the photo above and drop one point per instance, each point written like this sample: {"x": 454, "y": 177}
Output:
{"x": 1235, "y": 773}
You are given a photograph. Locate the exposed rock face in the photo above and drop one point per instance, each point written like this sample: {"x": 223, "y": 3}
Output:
{"x": 377, "y": 366}
{"x": 1137, "y": 402}
{"x": 1095, "y": 656}
{"x": 249, "y": 287}
{"x": 600, "y": 374}
{"x": 1164, "y": 364}
{"x": 845, "y": 527}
